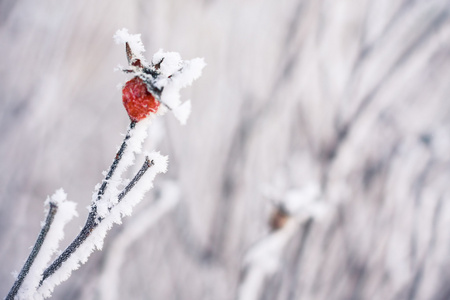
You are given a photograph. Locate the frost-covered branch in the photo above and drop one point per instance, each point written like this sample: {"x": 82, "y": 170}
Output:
{"x": 94, "y": 232}
{"x": 37, "y": 247}
{"x": 59, "y": 213}
{"x": 262, "y": 260}
{"x": 91, "y": 224}
{"x": 151, "y": 85}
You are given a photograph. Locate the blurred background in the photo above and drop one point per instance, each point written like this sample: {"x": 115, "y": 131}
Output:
{"x": 342, "y": 103}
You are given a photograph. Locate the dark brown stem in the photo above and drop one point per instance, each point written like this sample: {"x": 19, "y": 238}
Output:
{"x": 116, "y": 161}
{"x": 36, "y": 248}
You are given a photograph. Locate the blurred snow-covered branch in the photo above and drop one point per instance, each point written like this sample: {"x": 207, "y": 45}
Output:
{"x": 294, "y": 208}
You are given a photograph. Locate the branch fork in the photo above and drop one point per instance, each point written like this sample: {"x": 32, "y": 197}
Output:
{"x": 92, "y": 222}
{"x": 115, "y": 197}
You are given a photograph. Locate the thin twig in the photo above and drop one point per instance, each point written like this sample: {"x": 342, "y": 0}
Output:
{"x": 90, "y": 225}
{"x": 116, "y": 161}
{"x": 147, "y": 164}
{"x": 36, "y": 248}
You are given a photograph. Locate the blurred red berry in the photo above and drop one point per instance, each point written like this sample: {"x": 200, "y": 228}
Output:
{"x": 138, "y": 101}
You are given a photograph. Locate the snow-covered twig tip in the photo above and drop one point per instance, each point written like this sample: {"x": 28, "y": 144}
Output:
{"x": 59, "y": 212}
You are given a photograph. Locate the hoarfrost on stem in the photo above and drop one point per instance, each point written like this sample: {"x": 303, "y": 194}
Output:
{"x": 137, "y": 136}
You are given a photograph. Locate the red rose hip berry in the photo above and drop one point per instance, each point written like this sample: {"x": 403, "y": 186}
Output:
{"x": 138, "y": 101}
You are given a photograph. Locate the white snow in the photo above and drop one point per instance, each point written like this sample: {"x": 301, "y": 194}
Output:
{"x": 306, "y": 202}
{"x": 183, "y": 111}
{"x": 170, "y": 62}
{"x": 190, "y": 70}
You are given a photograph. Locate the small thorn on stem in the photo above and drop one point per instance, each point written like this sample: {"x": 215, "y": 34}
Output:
{"x": 129, "y": 53}
{"x": 132, "y": 60}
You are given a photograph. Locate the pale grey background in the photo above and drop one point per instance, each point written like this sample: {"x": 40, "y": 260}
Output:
{"x": 353, "y": 95}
